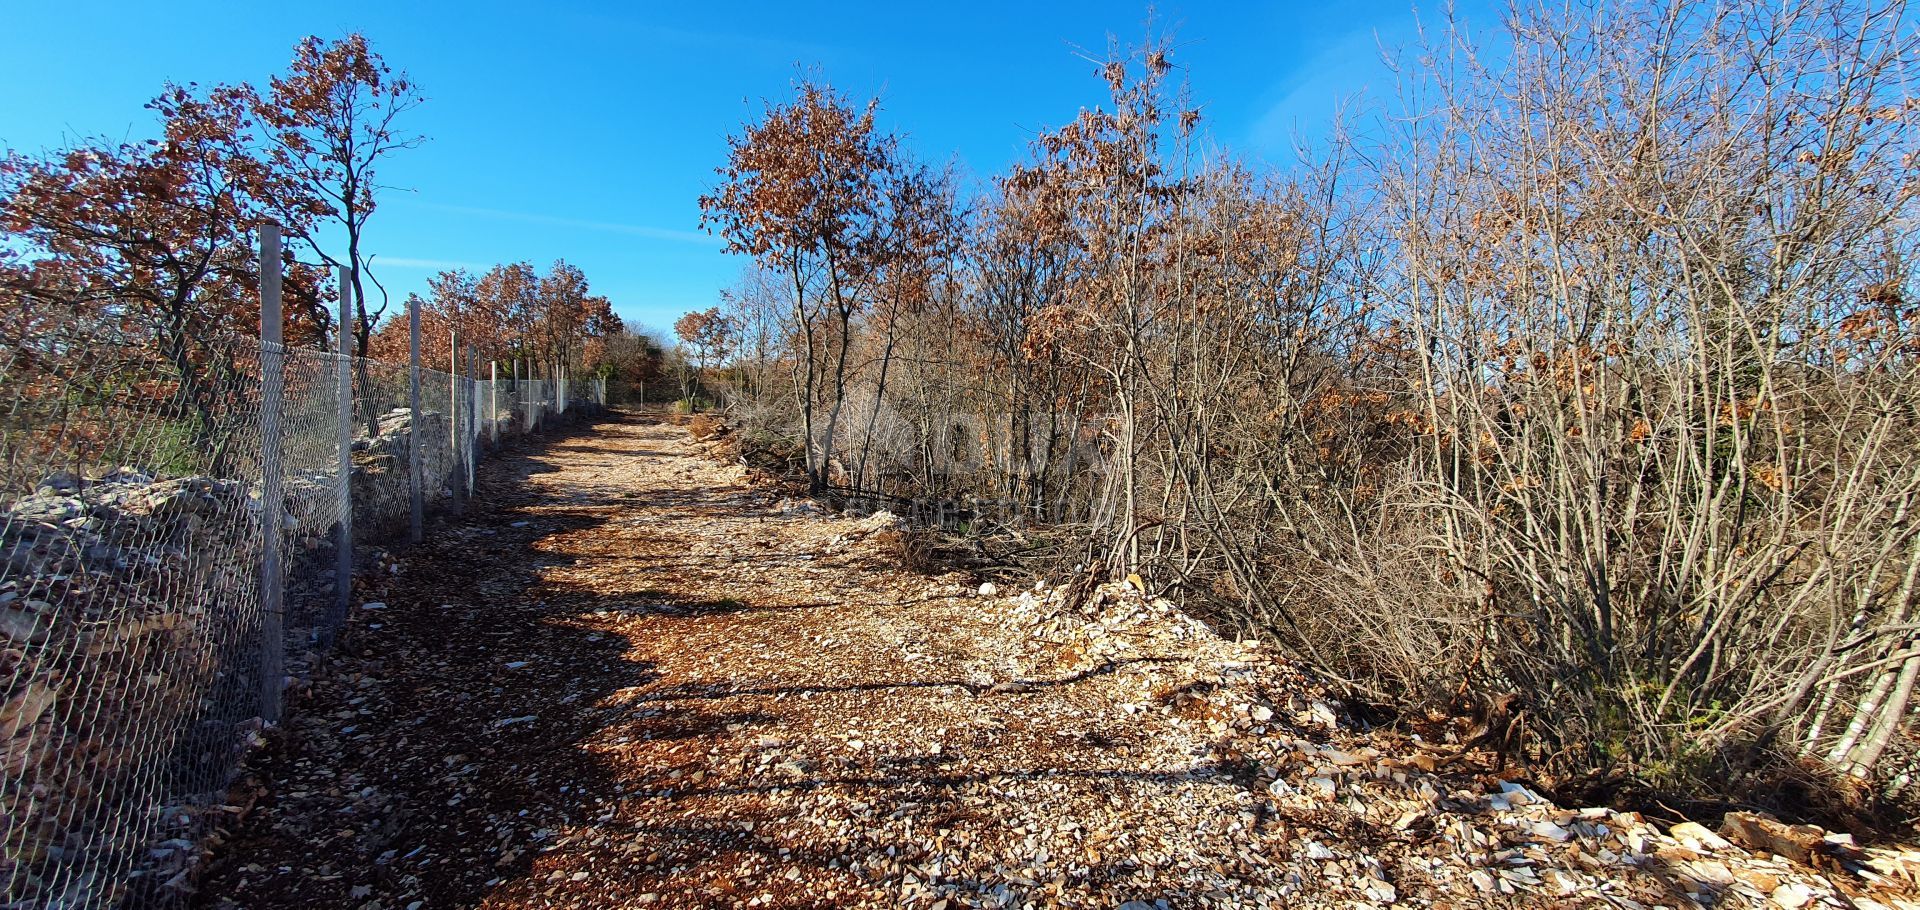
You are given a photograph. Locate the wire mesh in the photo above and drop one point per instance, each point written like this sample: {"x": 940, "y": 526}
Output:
{"x": 132, "y": 532}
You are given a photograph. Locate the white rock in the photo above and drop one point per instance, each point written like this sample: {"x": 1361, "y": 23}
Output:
{"x": 1323, "y": 714}
{"x": 1551, "y": 832}
{"x": 1519, "y": 795}
{"x": 989, "y": 589}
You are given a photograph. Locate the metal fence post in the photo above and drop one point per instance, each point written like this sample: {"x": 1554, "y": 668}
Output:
{"x": 272, "y": 502}
{"x": 343, "y": 541}
{"x": 473, "y": 420}
{"x": 417, "y": 527}
{"x": 454, "y": 457}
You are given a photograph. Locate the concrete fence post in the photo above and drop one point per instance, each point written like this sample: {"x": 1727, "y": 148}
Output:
{"x": 343, "y": 532}
{"x": 493, "y": 401}
{"x": 272, "y": 502}
{"x": 416, "y": 528}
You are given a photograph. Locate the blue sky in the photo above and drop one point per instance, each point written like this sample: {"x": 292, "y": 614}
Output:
{"x": 587, "y": 132}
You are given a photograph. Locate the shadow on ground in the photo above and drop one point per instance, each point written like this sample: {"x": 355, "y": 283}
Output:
{"x": 488, "y": 739}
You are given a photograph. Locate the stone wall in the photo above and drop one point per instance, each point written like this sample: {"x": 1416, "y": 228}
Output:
{"x": 129, "y": 653}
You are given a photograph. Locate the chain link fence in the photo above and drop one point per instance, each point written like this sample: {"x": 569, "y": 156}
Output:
{"x": 152, "y": 599}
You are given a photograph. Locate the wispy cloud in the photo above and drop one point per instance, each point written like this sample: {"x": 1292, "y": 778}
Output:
{"x": 639, "y": 230}
{"x": 740, "y": 41}
{"x": 735, "y": 43}
{"x": 1310, "y": 96}
{"x": 437, "y": 265}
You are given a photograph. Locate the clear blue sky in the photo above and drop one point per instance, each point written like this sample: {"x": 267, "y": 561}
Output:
{"x": 587, "y": 132}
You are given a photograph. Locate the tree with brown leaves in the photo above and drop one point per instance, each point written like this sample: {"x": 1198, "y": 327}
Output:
{"x": 326, "y": 126}
{"x": 709, "y": 334}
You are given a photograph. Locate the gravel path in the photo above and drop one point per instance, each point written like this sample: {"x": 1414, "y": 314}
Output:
{"x": 633, "y": 679}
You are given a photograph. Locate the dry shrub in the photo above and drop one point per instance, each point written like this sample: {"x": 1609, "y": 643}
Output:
{"x": 1634, "y": 433}
{"x": 1597, "y": 383}
{"x": 915, "y": 549}
{"x": 705, "y": 426}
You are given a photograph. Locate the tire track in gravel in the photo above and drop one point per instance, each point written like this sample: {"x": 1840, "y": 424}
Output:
{"x": 632, "y": 679}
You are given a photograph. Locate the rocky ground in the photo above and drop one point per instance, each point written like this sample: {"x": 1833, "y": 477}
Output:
{"x": 634, "y": 679}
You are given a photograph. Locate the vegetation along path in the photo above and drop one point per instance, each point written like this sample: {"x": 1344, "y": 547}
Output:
{"x": 632, "y": 678}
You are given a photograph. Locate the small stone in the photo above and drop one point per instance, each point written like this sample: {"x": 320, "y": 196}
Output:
{"x": 58, "y": 482}
{"x": 1792, "y": 896}
{"x": 25, "y": 627}
{"x": 1696, "y": 836}
{"x": 989, "y": 589}
{"x": 1766, "y": 834}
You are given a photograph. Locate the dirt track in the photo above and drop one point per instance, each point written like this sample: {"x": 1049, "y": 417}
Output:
{"x": 633, "y": 680}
